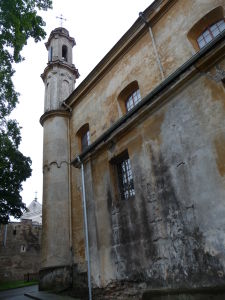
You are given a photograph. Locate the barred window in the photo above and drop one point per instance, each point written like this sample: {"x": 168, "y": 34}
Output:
{"x": 210, "y": 33}
{"x": 133, "y": 99}
{"x": 125, "y": 177}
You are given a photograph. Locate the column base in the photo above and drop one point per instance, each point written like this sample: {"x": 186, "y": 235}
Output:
{"x": 55, "y": 278}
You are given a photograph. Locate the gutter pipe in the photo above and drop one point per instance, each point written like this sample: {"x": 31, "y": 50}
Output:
{"x": 85, "y": 227}
{"x": 67, "y": 106}
{"x": 150, "y": 97}
{"x": 141, "y": 15}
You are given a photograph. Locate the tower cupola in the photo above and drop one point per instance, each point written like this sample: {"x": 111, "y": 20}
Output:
{"x": 59, "y": 46}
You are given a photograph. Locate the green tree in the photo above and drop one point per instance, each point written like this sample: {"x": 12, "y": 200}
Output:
{"x": 19, "y": 20}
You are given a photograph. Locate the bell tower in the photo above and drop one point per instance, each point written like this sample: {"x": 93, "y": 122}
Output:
{"x": 59, "y": 78}
{"x": 60, "y": 74}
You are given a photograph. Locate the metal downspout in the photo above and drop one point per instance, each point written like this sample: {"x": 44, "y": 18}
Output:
{"x": 154, "y": 45}
{"x": 86, "y": 228}
{"x": 69, "y": 191}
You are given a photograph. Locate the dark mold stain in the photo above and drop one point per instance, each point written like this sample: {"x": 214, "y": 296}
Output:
{"x": 153, "y": 240}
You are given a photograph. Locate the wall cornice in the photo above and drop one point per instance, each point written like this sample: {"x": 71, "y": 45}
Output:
{"x": 152, "y": 14}
{"x": 195, "y": 66}
{"x": 59, "y": 63}
{"x": 61, "y": 32}
{"x": 54, "y": 113}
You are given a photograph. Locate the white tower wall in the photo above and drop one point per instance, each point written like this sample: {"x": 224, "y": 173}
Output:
{"x": 59, "y": 78}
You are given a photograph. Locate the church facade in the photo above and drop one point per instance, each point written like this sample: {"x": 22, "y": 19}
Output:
{"x": 133, "y": 165}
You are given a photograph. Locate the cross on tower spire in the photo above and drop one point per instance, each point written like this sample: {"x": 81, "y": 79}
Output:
{"x": 61, "y": 19}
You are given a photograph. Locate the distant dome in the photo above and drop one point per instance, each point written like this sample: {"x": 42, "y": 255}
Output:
{"x": 34, "y": 212}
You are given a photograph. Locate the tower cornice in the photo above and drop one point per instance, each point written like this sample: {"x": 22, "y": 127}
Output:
{"x": 54, "y": 113}
{"x": 62, "y": 64}
{"x": 61, "y": 32}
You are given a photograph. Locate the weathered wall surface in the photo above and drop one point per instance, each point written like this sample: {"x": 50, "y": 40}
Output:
{"x": 56, "y": 234}
{"x": 102, "y": 99}
{"x": 100, "y": 108}
{"x": 171, "y": 31}
{"x": 170, "y": 152}
{"x": 171, "y": 234}
{"x": 20, "y": 248}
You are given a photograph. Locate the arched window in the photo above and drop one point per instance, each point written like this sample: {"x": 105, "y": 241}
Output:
{"x": 210, "y": 33}
{"x": 207, "y": 28}
{"x": 84, "y": 137}
{"x": 129, "y": 97}
{"x": 64, "y": 52}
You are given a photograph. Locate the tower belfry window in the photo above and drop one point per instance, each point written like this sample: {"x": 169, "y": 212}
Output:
{"x": 50, "y": 54}
{"x": 64, "y": 52}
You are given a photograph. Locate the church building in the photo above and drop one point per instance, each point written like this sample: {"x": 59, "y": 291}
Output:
{"x": 134, "y": 160}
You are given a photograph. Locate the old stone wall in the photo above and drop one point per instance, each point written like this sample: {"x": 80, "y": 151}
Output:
{"x": 20, "y": 245}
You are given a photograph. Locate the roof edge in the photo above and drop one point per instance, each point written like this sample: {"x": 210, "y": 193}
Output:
{"x": 124, "y": 43}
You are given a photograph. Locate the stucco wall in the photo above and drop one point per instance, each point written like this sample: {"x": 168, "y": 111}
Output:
{"x": 56, "y": 233}
{"x": 171, "y": 234}
{"x": 171, "y": 31}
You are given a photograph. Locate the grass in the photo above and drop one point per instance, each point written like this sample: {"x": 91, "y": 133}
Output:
{"x": 15, "y": 284}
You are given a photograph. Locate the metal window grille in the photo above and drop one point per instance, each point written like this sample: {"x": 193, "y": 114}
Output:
{"x": 125, "y": 177}
{"x": 133, "y": 99}
{"x": 85, "y": 140}
{"x": 210, "y": 33}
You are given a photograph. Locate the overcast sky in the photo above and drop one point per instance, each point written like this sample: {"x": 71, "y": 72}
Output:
{"x": 96, "y": 26}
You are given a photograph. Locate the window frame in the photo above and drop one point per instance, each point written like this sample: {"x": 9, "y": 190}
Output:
{"x": 124, "y": 95}
{"x": 209, "y": 29}
{"x": 213, "y": 16}
{"x": 64, "y": 53}
{"x": 133, "y": 99}
{"x": 85, "y": 140}
{"x": 122, "y": 169}
{"x": 81, "y": 133}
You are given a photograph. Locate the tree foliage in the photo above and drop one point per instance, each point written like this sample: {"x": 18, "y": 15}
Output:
{"x": 19, "y": 20}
